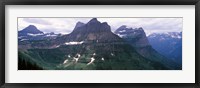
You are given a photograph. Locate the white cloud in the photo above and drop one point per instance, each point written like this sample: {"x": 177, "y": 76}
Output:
{"x": 66, "y": 25}
{"x": 37, "y": 21}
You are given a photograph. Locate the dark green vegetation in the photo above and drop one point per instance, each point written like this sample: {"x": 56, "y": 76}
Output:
{"x": 25, "y": 63}
{"x": 116, "y": 57}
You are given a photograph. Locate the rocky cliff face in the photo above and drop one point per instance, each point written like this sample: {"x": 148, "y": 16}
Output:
{"x": 136, "y": 37}
{"x": 93, "y": 31}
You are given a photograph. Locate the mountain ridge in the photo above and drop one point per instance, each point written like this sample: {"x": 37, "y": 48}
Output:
{"x": 169, "y": 44}
{"x": 138, "y": 39}
{"x": 93, "y": 46}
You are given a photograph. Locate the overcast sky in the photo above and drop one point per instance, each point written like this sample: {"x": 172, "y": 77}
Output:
{"x": 66, "y": 25}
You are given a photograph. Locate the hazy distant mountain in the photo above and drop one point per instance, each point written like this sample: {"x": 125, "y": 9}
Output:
{"x": 32, "y": 33}
{"x": 92, "y": 46}
{"x": 168, "y": 44}
{"x": 138, "y": 39}
{"x": 31, "y": 29}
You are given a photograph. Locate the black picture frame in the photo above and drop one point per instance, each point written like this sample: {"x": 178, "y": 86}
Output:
{"x": 99, "y": 2}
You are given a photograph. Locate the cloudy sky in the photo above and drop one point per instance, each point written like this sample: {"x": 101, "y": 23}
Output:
{"x": 66, "y": 25}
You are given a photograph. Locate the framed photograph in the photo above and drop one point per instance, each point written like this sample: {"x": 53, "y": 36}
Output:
{"x": 146, "y": 43}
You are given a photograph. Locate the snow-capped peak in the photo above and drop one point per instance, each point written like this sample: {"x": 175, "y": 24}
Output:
{"x": 125, "y": 28}
{"x": 177, "y": 35}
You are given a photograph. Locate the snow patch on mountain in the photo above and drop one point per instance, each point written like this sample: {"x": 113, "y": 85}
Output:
{"x": 74, "y": 43}
{"x": 68, "y": 56}
{"x": 30, "y": 34}
{"x": 65, "y": 61}
{"x": 121, "y": 35}
{"x": 48, "y": 35}
{"x": 57, "y": 46}
{"x": 102, "y": 59}
{"x": 91, "y": 61}
{"x": 76, "y": 58}
{"x": 122, "y": 31}
{"x": 111, "y": 54}
{"x": 24, "y": 39}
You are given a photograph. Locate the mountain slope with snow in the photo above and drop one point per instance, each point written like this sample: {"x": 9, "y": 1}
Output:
{"x": 169, "y": 44}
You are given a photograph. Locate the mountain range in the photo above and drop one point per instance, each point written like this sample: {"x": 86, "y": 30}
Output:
{"x": 138, "y": 39}
{"x": 168, "y": 44}
{"x": 91, "y": 46}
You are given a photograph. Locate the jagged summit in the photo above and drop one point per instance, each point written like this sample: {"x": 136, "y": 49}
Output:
{"x": 125, "y": 29}
{"x": 137, "y": 36}
{"x": 140, "y": 28}
{"x": 122, "y": 27}
{"x": 93, "y": 26}
{"x": 105, "y": 23}
{"x": 93, "y": 20}
{"x": 94, "y": 30}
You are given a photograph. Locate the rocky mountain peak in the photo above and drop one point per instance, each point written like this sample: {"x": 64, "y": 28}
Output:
{"x": 129, "y": 30}
{"x": 94, "y": 30}
{"x": 93, "y": 26}
{"x": 32, "y": 26}
{"x": 136, "y": 36}
{"x": 93, "y": 20}
{"x": 79, "y": 24}
{"x": 31, "y": 29}
{"x": 122, "y": 27}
